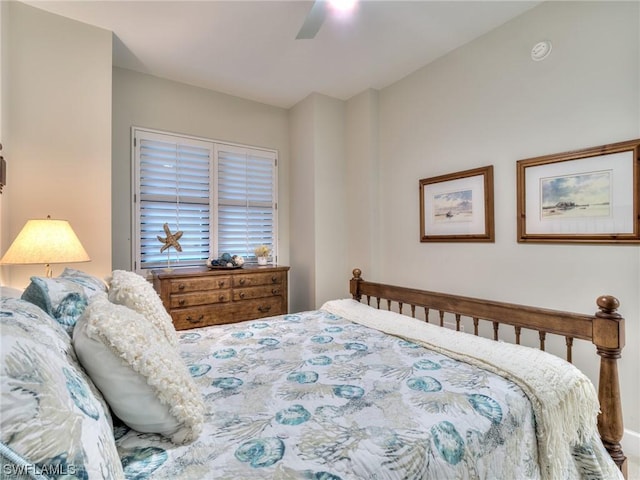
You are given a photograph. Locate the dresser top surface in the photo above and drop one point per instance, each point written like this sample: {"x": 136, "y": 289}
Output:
{"x": 205, "y": 271}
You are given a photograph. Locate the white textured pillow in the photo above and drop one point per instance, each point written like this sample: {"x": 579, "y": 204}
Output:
{"x": 133, "y": 291}
{"x": 143, "y": 378}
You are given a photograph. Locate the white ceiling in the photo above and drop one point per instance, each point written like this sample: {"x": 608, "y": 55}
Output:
{"x": 248, "y": 48}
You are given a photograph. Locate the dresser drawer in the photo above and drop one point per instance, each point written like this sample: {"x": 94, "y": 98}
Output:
{"x": 183, "y": 285}
{"x": 181, "y": 300}
{"x": 255, "y": 279}
{"x": 256, "y": 292}
{"x": 204, "y": 316}
{"x": 186, "y": 318}
{"x": 258, "y": 308}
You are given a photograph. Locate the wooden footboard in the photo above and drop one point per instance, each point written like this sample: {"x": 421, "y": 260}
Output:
{"x": 605, "y": 329}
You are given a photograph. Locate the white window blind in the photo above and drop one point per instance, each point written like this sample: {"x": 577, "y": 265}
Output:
{"x": 246, "y": 199}
{"x": 222, "y": 197}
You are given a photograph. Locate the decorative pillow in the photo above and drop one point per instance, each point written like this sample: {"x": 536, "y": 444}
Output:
{"x": 142, "y": 376}
{"x": 63, "y": 298}
{"x": 51, "y": 414}
{"x": 10, "y": 292}
{"x": 15, "y": 467}
{"x": 90, "y": 282}
{"x": 133, "y": 291}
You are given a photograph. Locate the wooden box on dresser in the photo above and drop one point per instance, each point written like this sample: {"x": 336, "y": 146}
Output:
{"x": 197, "y": 297}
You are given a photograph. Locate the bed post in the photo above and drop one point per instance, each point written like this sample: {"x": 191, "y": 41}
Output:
{"x": 608, "y": 337}
{"x": 354, "y": 284}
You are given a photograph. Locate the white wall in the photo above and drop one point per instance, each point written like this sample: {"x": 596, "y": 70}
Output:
{"x": 302, "y": 277}
{"x": 362, "y": 165}
{"x": 319, "y": 202}
{"x": 147, "y": 101}
{"x": 488, "y": 103}
{"x": 56, "y": 77}
{"x": 330, "y": 199}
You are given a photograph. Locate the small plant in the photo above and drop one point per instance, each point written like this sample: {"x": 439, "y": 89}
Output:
{"x": 262, "y": 251}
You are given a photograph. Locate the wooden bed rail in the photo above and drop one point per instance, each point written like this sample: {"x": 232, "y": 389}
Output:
{"x": 605, "y": 330}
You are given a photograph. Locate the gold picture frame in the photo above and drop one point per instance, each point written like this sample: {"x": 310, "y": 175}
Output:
{"x": 458, "y": 207}
{"x": 582, "y": 196}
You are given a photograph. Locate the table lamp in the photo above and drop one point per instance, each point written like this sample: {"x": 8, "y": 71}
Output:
{"x": 45, "y": 241}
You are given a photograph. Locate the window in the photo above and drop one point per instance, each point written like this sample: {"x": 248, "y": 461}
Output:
{"x": 221, "y": 196}
{"x": 245, "y": 208}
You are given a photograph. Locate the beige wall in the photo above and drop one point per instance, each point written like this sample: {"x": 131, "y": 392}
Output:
{"x": 302, "y": 277}
{"x": 319, "y": 202}
{"x": 4, "y": 65}
{"x": 56, "y": 131}
{"x": 330, "y": 199}
{"x": 146, "y": 101}
{"x": 488, "y": 103}
{"x": 362, "y": 165}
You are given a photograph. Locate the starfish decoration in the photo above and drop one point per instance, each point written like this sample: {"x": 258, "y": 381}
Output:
{"x": 171, "y": 240}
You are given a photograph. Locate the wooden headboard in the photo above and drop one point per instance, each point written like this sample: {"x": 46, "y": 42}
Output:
{"x": 605, "y": 329}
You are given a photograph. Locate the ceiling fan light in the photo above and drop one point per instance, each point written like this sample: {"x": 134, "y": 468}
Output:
{"x": 343, "y": 5}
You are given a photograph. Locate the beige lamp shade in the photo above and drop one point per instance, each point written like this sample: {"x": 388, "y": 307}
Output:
{"x": 45, "y": 241}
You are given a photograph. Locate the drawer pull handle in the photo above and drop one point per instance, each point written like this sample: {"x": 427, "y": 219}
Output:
{"x": 181, "y": 302}
{"x": 195, "y": 320}
{"x": 241, "y": 294}
{"x": 265, "y": 308}
{"x": 242, "y": 281}
{"x": 181, "y": 286}
{"x": 221, "y": 298}
{"x": 221, "y": 283}
{"x": 275, "y": 291}
{"x": 274, "y": 279}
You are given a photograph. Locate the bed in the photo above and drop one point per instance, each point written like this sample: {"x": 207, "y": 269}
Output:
{"x": 368, "y": 387}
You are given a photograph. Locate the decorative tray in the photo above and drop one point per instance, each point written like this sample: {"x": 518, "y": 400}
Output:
{"x": 218, "y": 267}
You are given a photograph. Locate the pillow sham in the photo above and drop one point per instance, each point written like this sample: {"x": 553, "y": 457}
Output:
{"x": 141, "y": 375}
{"x": 88, "y": 281}
{"x": 133, "y": 291}
{"x": 10, "y": 292}
{"x": 63, "y": 298}
{"x": 51, "y": 413}
{"x": 15, "y": 467}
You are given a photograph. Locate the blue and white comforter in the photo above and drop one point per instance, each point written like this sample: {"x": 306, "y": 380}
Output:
{"x": 315, "y": 396}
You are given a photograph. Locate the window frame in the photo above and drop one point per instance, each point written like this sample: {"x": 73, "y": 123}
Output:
{"x": 215, "y": 147}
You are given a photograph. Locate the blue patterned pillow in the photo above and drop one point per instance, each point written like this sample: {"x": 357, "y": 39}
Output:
{"x": 51, "y": 414}
{"x": 64, "y": 298}
{"x": 14, "y": 467}
{"x": 88, "y": 281}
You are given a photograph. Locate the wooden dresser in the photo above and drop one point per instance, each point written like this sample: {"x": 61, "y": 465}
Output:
{"x": 197, "y": 297}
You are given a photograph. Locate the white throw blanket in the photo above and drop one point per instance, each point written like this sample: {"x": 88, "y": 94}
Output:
{"x": 564, "y": 400}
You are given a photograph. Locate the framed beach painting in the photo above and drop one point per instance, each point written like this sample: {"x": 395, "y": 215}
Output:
{"x": 457, "y": 207}
{"x": 583, "y": 196}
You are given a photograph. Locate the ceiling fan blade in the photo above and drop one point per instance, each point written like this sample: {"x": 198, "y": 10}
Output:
{"x": 314, "y": 21}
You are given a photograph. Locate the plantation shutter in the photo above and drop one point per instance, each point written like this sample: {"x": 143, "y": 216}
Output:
{"x": 246, "y": 200}
{"x": 173, "y": 176}
{"x": 221, "y": 197}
